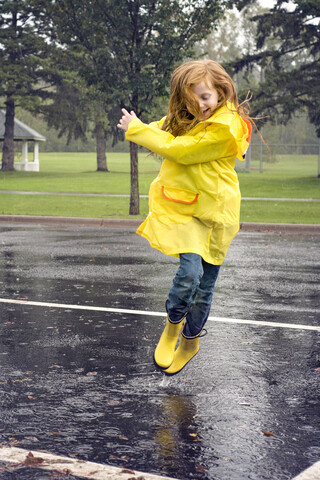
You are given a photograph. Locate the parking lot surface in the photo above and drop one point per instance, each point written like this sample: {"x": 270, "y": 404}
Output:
{"x": 82, "y": 309}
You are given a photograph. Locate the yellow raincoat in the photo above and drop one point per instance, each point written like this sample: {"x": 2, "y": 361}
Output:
{"x": 194, "y": 203}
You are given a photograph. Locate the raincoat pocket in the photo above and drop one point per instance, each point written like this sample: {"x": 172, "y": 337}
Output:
{"x": 174, "y": 205}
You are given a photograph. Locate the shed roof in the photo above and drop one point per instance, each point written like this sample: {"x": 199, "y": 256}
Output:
{"x": 21, "y": 130}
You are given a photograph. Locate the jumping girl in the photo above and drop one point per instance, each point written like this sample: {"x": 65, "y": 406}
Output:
{"x": 194, "y": 203}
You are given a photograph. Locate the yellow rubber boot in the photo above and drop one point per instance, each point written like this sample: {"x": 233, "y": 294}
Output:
{"x": 187, "y": 349}
{"x": 163, "y": 355}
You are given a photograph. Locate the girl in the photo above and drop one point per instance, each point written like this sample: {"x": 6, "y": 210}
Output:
{"x": 194, "y": 202}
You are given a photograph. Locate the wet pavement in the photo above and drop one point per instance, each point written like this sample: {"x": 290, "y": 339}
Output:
{"x": 82, "y": 383}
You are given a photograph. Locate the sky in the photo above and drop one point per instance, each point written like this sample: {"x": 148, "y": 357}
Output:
{"x": 267, "y": 3}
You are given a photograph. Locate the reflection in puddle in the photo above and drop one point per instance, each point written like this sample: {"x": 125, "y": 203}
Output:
{"x": 176, "y": 433}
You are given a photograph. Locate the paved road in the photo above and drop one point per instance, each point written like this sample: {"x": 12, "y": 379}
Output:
{"x": 77, "y": 375}
{"x": 76, "y": 194}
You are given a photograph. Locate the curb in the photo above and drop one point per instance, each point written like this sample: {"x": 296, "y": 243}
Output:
{"x": 21, "y": 458}
{"x": 312, "y": 473}
{"x": 71, "y": 221}
{"x": 288, "y": 228}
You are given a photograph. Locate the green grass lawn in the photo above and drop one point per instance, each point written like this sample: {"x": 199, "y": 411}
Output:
{"x": 108, "y": 207}
{"x": 68, "y": 206}
{"x": 76, "y": 172}
{"x": 291, "y": 177}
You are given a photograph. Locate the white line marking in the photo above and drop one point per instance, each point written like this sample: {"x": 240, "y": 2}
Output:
{"x": 158, "y": 314}
{"x": 21, "y": 458}
{"x": 81, "y": 307}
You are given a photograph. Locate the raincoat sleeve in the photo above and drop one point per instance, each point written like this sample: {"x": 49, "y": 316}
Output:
{"x": 215, "y": 143}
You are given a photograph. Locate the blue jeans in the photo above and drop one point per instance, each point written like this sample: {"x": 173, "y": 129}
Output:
{"x": 191, "y": 292}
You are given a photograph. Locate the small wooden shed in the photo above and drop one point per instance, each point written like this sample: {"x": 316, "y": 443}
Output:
{"x": 24, "y": 134}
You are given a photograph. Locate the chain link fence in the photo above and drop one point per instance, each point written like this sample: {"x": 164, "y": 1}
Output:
{"x": 260, "y": 154}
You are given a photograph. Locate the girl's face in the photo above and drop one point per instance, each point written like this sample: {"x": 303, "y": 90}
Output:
{"x": 207, "y": 97}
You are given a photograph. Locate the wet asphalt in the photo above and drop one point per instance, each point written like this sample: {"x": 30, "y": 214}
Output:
{"x": 82, "y": 383}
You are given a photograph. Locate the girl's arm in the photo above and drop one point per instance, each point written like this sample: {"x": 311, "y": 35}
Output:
{"x": 215, "y": 143}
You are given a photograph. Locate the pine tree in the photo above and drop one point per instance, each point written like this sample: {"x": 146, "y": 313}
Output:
{"x": 288, "y": 55}
{"x": 77, "y": 110}
{"x": 130, "y": 48}
{"x": 24, "y": 65}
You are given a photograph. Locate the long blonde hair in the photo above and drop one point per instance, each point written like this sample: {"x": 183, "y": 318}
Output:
{"x": 184, "y": 109}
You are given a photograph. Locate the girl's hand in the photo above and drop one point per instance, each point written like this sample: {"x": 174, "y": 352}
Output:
{"x": 126, "y": 119}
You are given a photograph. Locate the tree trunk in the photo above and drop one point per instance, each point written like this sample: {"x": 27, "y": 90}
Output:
{"x": 8, "y": 143}
{"x": 134, "y": 193}
{"x": 101, "y": 148}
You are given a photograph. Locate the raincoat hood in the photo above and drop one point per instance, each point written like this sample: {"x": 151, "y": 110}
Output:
{"x": 239, "y": 127}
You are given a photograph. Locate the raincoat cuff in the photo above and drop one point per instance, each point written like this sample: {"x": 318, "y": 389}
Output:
{"x": 132, "y": 128}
